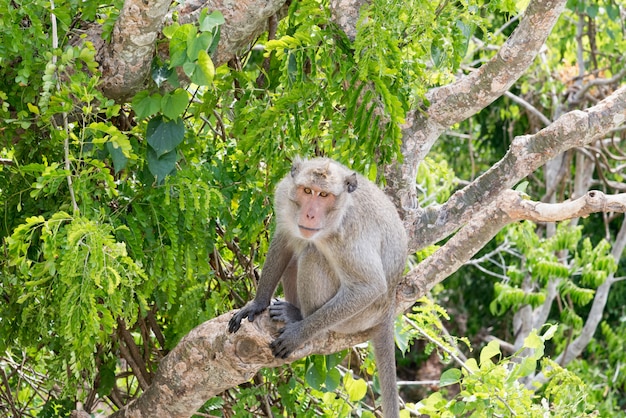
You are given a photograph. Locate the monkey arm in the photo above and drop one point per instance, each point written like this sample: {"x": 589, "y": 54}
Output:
{"x": 359, "y": 304}
{"x": 278, "y": 257}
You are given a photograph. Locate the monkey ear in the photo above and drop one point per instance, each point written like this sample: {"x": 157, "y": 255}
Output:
{"x": 351, "y": 183}
{"x": 295, "y": 167}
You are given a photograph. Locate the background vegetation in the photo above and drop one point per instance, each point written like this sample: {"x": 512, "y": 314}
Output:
{"x": 126, "y": 223}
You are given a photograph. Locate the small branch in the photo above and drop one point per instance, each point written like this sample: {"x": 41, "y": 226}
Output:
{"x": 66, "y": 130}
{"x": 532, "y": 109}
{"x": 593, "y": 201}
{"x": 130, "y": 352}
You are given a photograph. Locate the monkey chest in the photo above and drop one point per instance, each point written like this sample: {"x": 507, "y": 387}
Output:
{"x": 317, "y": 280}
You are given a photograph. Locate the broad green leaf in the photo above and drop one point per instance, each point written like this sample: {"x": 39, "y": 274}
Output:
{"x": 527, "y": 366}
{"x": 472, "y": 365}
{"x": 550, "y": 332}
{"x": 335, "y": 359}
{"x": 169, "y": 30}
{"x": 160, "y": 167}
{"x": 161, "y": 74}
{"x": 118, "y": 157}
{"x": 315, "y": 375}
{"x": 173, "y": 104}
{"x": 205, "y": 70}
{"x": 450, "y": 377}
{"x": 210, "y": 22}
{"x": 164, "y": 135}
{"x": 490, "y": 350}
{"x": 355, "y": 388}
{"x": 197, "y": 43}
{"x": 533, "y": 341}
{"x": 437, "y": 53}
{"x": 146, "y": 105}
{"x": 333, "y": 379}
{"x": 178, "y": 44}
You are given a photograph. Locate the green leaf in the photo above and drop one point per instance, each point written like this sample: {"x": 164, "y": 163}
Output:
{"x": 146, "y": 105}
{"x": 162, "y": 166}
{"x": 169, "y": 30}
{"x": 178, "y": 44}
{"x": 332, "y": 360}
{"x": 550, "y": 332}
{"x": 450, "y": 377}
{"x": 161, "y": 74}
{"x": 437, "y": 53}
{"x": 492, "y": 349}
{"x": 197, "y": 43}
{"x": 118, "y": 157}
{"x": 210, "y": 22}
{"x": 164, "y": 135}
{"x": 315, "y": 375}
{"x": 526, "y": 367}
{"x": 205, "y": 70}
{"x": 175, "y": 103}
{"x": 333, "y": 379}
{"x": 355, "y": 388}
{"x": 533, "y": 341}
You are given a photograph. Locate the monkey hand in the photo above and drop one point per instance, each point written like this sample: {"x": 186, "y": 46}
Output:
{"x": 250, "y": 311}
{"x": 289, "y": 339}
{"x": 283, "y": 311}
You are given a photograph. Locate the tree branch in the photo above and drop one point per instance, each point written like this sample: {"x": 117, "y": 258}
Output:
{"x": 526, "y": 154}
{"x": 458, "y": 101}
{"x": 125, "y": 62}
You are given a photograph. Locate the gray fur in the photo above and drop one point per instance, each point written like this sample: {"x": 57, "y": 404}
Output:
{"x": 343, "y": 278}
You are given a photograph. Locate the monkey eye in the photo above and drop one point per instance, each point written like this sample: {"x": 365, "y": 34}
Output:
{"x": 323, "y": 194}
{"x": 307, "y": 190}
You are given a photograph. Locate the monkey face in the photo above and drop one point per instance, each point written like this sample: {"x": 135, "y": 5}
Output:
{"x": 314, "y": 207}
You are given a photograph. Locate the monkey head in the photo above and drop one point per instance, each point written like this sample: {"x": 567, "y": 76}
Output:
{"x": 318, "y": 197}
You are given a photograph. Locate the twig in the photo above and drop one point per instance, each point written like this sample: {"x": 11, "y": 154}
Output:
{"x": 66, "y": 141}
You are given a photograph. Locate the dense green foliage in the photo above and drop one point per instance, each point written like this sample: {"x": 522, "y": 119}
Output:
{"x": 126, "y": 225}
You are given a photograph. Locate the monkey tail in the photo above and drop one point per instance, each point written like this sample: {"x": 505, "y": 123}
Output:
{"x": 385, "y": 353}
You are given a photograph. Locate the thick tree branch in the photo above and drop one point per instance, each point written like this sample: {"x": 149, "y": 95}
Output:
{"x": 526, "y": 154}
{"x": 125, "y": 62}
{"x": 458, "y": 101}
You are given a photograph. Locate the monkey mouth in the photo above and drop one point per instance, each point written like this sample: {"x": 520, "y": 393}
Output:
{"x": 308, "y": 232}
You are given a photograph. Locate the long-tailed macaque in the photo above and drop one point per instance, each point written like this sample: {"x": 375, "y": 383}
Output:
{"x": 340, "y": 249}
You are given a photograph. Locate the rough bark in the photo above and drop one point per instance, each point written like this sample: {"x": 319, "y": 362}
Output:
{"x": 125, "y": 61}
{"x": 456, "y": 102}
